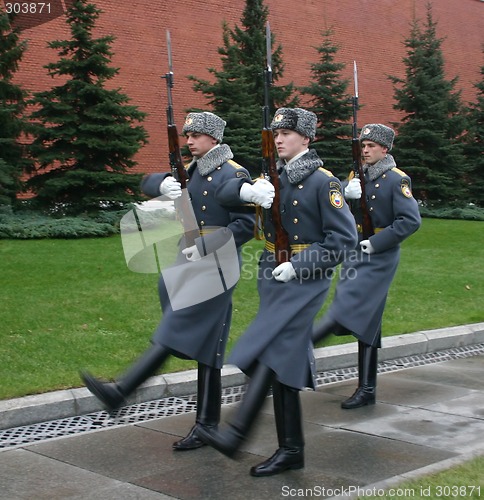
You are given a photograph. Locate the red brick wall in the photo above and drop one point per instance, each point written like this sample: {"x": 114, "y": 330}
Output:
{"x": 369, "y": 31}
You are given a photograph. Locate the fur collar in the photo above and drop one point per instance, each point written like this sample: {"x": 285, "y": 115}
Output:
{"x": 380, "y": 167}
{"x": 301, "y": 168}
{"x": 213, "y": 159}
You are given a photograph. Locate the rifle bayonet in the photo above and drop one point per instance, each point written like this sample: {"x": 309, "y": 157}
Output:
{"x": 355, "y": 78}
{"x": 267, "y": 78}
{"x": 168, "y": 46}
{"x": 169, "y": 81}
{"x": 355, "y": 101}
{"x": 268, "y": 52}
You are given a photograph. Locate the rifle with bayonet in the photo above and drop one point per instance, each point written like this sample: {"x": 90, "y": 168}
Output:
{"x": 281, "y": 241}
{"x": 183, "y": 206}
{"x": 366, "y": 223}
{"x": 176, "y": 163}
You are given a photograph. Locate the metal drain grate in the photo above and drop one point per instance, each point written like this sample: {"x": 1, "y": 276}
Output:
{"x": 330, "y": 377}
{"x": 167, "y": 407}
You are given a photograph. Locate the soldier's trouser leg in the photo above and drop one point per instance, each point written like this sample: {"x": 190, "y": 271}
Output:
{"x": 287, "y": 412}
{"x": 113, "y": 395}
{"x": 209, "y": 395}
{"x": 228, "y": 440}
{"x": 365, "y": 394}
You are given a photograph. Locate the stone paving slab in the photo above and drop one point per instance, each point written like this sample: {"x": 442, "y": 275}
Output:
{"x": 471, "y": 405}
{"x": 453, "y": 433}
{"x": 26, "y": 475}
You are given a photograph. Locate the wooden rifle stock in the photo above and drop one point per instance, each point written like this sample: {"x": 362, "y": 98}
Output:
{"x": 282, "y": 247}
{"x": 366, "y": 223}
{"x": 176, "y": 163}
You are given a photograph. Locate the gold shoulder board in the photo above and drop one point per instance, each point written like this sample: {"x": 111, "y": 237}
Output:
{"x": 398, "y": 171}
{"x": 325, "y": 171}
{"x": 235, "y": 164}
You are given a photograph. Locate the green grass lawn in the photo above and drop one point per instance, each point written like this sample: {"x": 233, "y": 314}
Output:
{"x": 67, "y": 305}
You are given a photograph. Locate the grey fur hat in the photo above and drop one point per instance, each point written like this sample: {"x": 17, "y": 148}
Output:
{"x": 379, "y": 133}
{"x": 205, "y": 123}
{"x": 298, "y": 119}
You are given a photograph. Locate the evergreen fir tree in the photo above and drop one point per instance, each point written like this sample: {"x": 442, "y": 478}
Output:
{"x": 85, "y": 134}
{"x": 332, "y": 106}
{"x": 237, "y": 95}
{"x": 474, "y": 145}
{"x": 12, "y": 106}
{"x": 428, "y": 146}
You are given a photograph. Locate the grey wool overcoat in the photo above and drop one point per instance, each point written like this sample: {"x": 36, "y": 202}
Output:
{"x": 200, "y": 331}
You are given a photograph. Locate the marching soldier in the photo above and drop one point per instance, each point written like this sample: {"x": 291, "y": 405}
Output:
{"x": 276, "y": 348}
{"x": 362, "y": 290}
{"x": 199, "y": 331}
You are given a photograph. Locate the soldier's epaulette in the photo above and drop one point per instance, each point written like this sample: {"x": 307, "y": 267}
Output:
{"x": 235, "y": 164}
{"x": 325, "y": 171}
{"x": 238, "y": 167}
{"x": 398, "y": 171}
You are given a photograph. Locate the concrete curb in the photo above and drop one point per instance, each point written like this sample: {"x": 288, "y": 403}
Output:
{"x": 400, "y": 346}
{"x": 29, "y": 410}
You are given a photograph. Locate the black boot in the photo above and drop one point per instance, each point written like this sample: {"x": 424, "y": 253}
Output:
{"x": 228, "y": 440}
{"x": 209, "y": 395}
{"x": 365, "y": 394}
{"x": 326, "y": 327}
{"x": 290, "y": 454}
{"x": 113, "y": 395}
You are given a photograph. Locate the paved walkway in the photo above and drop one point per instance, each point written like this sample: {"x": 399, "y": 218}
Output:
{"x": 426, "y": 418}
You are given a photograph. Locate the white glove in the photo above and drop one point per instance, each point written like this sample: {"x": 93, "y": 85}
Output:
{"x": 261, "y": 193}
{"x": 171, "y": 187}
{"x": 284, "y": 272}
{"x": 191, "y": 253}
{"x": 367, "y": 247}
{"x": 353, "y": 189}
